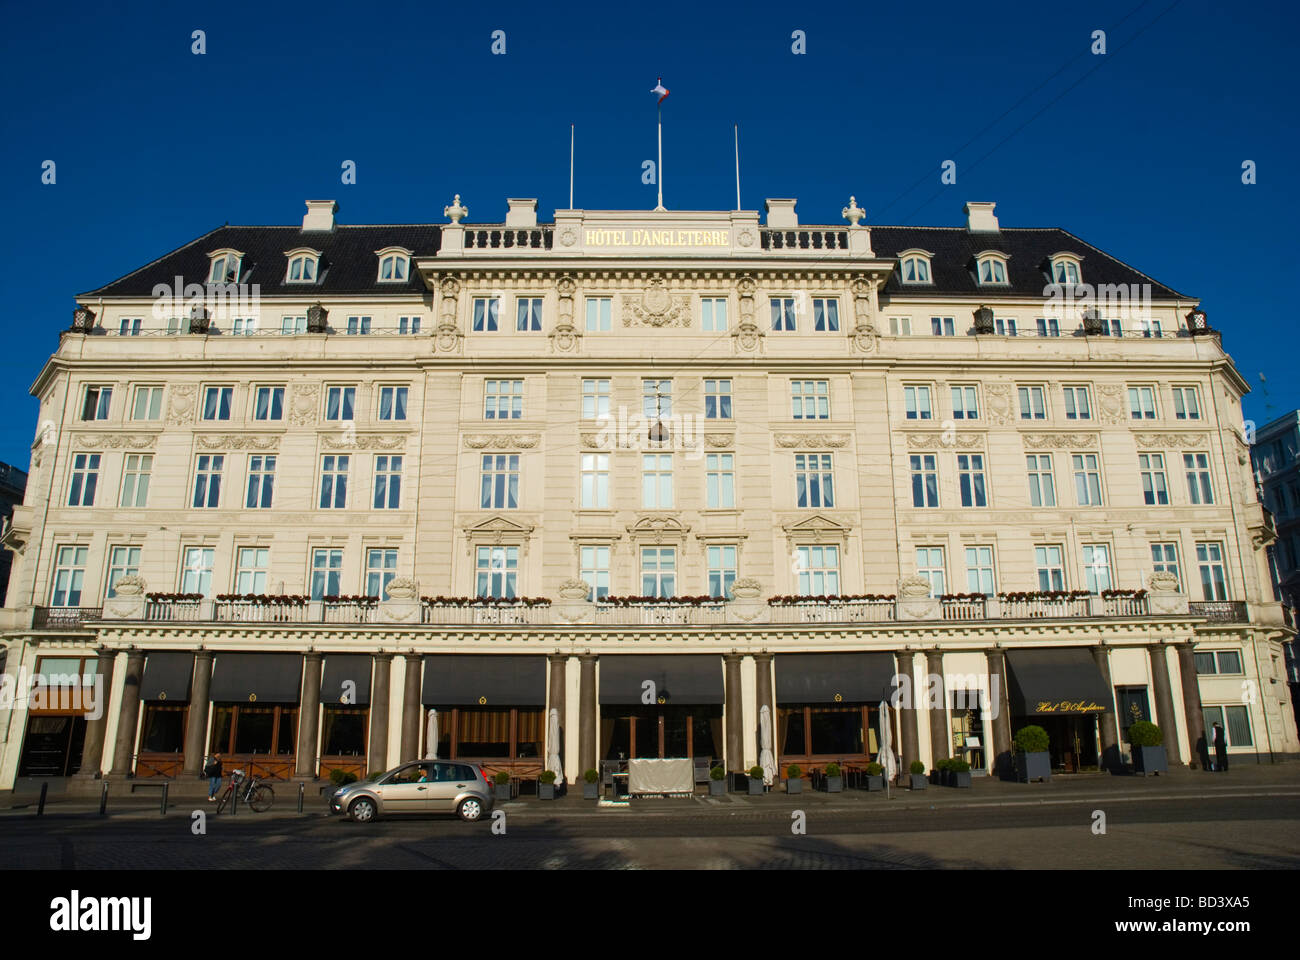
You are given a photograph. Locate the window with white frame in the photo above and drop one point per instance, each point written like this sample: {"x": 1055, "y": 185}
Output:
{"x": 196, "y": 570}
{"x": 1155, "y": 492}
{"x": 136, "y": 471}
{"x": 1005, "y": 326}
{"x": 600, "y": 314}
{"x": 717, "y": 399}
{"x": 1048, "y": 326}
{"x": 503, "y": 399}
{"x": 992, "y": 271}
{"x": 930, "y": 565}
{"x": 97, "y": 402}
{"x": 1042, "y": 486}
{"x": 594, "y": 563}
{"x": 783, "y": 313}
{"x": 528, "y": 314}
{"x": 1096, "y": 567}
{"x": 358, "y": 326}
{"x": 173, "y": 326}
{"x": 658, "y": 571}
{"x": 84, "y": 480}
{"x": 243, "y": 326}
{"x": 713, "y": 314}
{"x": 1142, "y": 403}
{"x": 207, "y": 480}
{"x": 261, "y": 482}
{"x": 69, "y": 576}
{"x": 900, "y": 326}
{"x": 392, "y": 402}
{"x": 595, "y": 399}
{"x": 1048, "y": 559}
{"x": 268, "y": 403}
{"x": 818, "y": 569}
{"x": 499, "y": 481}
{"x": 1200, "y": 490}
{"x": 217, "y": 402}
{"x": 943, "y": 327}
{"x": 925, "y": 479}
{"x": 334, "y": 481}
{"x": 381, "y": 568}
{"x": 915, "y": 268}
{"x": 130, "y": 327}
{"x": 326, "y": 573}
{"x": 1187, "y": 403}
{"x": 290, "y": 325}
{"x": 1111, "y": 328}
{"x": 979, "y": 570}
{"x": 1087, "y": 479}
{"x": 656, "y": 399}
{"x": 826, "y": 314}
{"x": 1164, "y": 559}
{"x": 1150, "y": 327}
{"x": 810, "y": 399}
{"x": 1233, "y": 720}
{"x": 340, "y": 403}
{"x": 1065, "y": 270}
{"x": 965, "y": 403}
{"x": 302, "y": 268}
{"x": 1078, "y": 405}
{"x": 814, "y": 480}
{"x": 394, "y": 267}
{"x": 252, "y": 566}
{"x": 225, "y": 268}
{"x": 970, "y": 480}
{"x": 388, "y": 482}
{"x": 485, "y": 314}
{"x": 719, "y": 481}
{"x": 916, "y": 402}
{"x": 408, "y": 324}
{"x": 122, "y": 562}
{"x": 148, "y": 403}
{"x": 1033, "y": 403}
{"x": 496, "y": 572}
{"x": 721, "y": 562}
{"x": 595, "y": 481}
{"x": 657, "y": 481}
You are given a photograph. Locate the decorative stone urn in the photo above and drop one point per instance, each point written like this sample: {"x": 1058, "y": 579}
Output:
{"x": 401, "y": 602}
{"x": 573, "y": 605}
{"x": 131, "y": 585}
{"x": 745, "y": 605}
{"x": 914, "y": 600}
{"x": 1164, "y": 596}
{"x": 128, "y": 600}
{"x": 403, "y": 588}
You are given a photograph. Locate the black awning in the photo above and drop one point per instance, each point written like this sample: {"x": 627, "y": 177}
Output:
{"x": 167, "y": 676}
{"x": 1054, "y": 681}
{"x": 678, "y": 678}
{"x": 352, "y": 669}
{"x": 491, "y": 680}
{"x": 834, "y": 677}
{"x": 257, "y": 678}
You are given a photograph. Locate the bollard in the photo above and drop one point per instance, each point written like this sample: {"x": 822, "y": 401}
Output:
{"x": 40, "y": 804}
{"x": 103, "y": 798}
{"x": 301, "y": 788}
{"x": 234, "y": 800}
{"x": 163, "y": 811}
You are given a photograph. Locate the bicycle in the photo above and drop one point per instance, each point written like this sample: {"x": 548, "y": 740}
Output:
{"x": 251, "y": 790}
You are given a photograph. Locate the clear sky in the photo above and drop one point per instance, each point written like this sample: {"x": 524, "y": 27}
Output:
{"x": 1139, "y": 151}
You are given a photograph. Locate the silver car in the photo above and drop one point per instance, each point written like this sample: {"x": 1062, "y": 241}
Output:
{"x": 422, "y": 786}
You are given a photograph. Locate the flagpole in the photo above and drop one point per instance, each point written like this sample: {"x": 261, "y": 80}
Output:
{"x": 570, "y": 166}
{"x": 659, "y": 171}
{"x": 737, "y": 129}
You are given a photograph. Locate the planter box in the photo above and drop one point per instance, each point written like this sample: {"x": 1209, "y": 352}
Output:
{"x": 1033, "y": 766}
{"x": 1150, "y": 760}
{"x": 958, "y": 778}
{"x": 501, "y": 791}
{"x": 755, "y": 786}
{"x": 834, "y": 784}
{"x": 875, "y": 782}
{"x": 919, "y": 781}
{"x": 937, "y": 778}
{"x": 794, "y": 786}
{"x": 717, "y": 788}
{"x": 545, "y": 791}
{"x": 591, "y": 791}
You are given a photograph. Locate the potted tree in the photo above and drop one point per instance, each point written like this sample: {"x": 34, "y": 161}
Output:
{"x": 755, "y": 781}
{"x": 834, "y": 778}
{"x": 939, "y": 773}
{"x": 591, "y": 785}
{"x": 875, "y": 776}
{"x": 917, "y": 775}
{"x": 958, "y": 773}
{"x": 502, "y": 780}
{"x": 546, "y": 785}
{"x": 793, "y": 779}
{"x": 718, "y": 782}
{"x": 1147, "y": 741}
{"x": 1033, "y": 762}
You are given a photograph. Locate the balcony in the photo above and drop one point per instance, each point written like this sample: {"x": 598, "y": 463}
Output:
{"x": 834, "y": 611}
{"x": 1220, "y": 611}
{"x": 63, "y": 618}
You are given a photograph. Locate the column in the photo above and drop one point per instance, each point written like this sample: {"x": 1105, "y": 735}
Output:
{"x": 92, "y": 751}
{"x": 763, "y": 698}
{"x": 587, "y": 711}
{"x": 308, "y": 717}
{"x": 910, "y": 734}
{"x": 196, "y": 728}
{"x": 128, "y": 715}
{"x": 1106, "y": 723}
{"x": 412, "y": 709}
{"x": 555, "y": 701}
{"x": 1164, "y": 702}
{"x": 377, "y": 749}
{"x": 1191, "y": 701}
{"x": 940, "y": 744}
{"x": 1000, "y": 706}
{"x": 734, "y": 712}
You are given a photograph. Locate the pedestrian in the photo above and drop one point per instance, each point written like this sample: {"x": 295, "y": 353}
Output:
{"x": 1220, "y": 749}
{"x": 212, "y": 770}
{"x": 1203, "y": 751}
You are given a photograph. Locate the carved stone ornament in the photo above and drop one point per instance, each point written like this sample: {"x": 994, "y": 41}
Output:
{"x": 1058, "y": 441}
{"x": 130, "y": 585}
{"x": 350, "y": 440}
{"x": 853, "y": 213}
{"x": 865, "y": 338}
{"x": 456, "y": 212}
{"x": 657, "y": 308}
{"x": 1110, "y": 403}
{"x": 574, "y": 588}
{"x": 304, "y": 405}
{"x": 568, "y": 237}
{"x": 1161, "y": 441}
{"x": 657, "y": 529}
{"x": 914, "y": 587}
{"x": 745, "y": 237}
{"x": 114, "y": 441}
{"x": 1162, "y": 581}
{"x": 933, "y": 441}
{"x": 236, "y": 441}
{"x": 811, "y": 440}
{"x": 180, "y": 406}
{"x": 746, "y": 286}
{"x": 746, "y": 588}
{"x": 719, "y": 441}
{"x": 998, "y": 400}
{"x": 501, "y": 441}
{"x": 402, "y": 588}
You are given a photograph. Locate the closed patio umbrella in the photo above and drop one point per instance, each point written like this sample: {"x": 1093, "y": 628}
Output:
{"x": 553, "y": 745}
{"x": 886, "y": 755}
{"x": 765, "y": 758}
{"x": 431, "y": 746}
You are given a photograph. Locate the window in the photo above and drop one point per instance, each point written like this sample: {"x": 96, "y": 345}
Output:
{"x": 595, "y": 399}
{"x": 196, "y": 571}
{"x": 1150, "y": 328}
{"x": 819, "y": 571}
{"x": 207, "y": 480}
{"x": 261, "y": 482}
{"x": 216, "y": 403}
{"x": 225, "y": 268}
{"x": 594, "y": 561}
{"x": 1048, "y": 326}
{"x": 1051, "y": 569}
{"x": 992, "y": 271}
{"x": 1235, "y": 722}
{"x": 392, "y": 403}
{"x": 1042, "y": 488}
{"x": 595, "y": 480}
{"x": 916, "y": 269}
{"x": 826, "y": 314}
{"x": 326, "y": 573}
{"x": 979, "y": 570}
{"x": 173, "y": 325}
{"x": 290, "y": 325}
{"x": 251, "y": 567}
{"x": 381, "y": 567}
{"x": 1065, "y": 271}
{"x": 97, "y": 403}
{"x": 69, "y": 576}
{"x": 925, "y": 480}
{"x": 1096, "y": 567}
{"x": 388, "y": 482}
{"x": 136, "y": 470}
{"x": 916, "y": 403}
{"x": 122, "y": 562}
{"x": 1218, "y": 661}
{"x": 964, "y": 403}
{"x": 334, "y": 481}
{"x": 1214, "y": 576}
{"x": 503, "y": 399}
{"x": 130, "y": 327}
{"x": 783, "y": 316}
{"x": 1142, "y": 403}
{"x": 1111, "y": 328}
{"x": 84, "y": 480}
{"x": 268, "y": 403}
{"x": 497, "y": 572}
{"x": 485, "y": 314}
{"x": 1164, "y": 559}
{"x": 244, "y": 327}
{"x": 393, "y": 267}
{"x": 929, "y": 564}
{"x": 1199, "y": 489}
{"x": 408, "y": 324}
{"x": 340, "y": 403}
{"x": 657, "y": 481}
{"x": 302, "y": 269}
{"x": 719, "y": 481}
{"x": 658, "y": 571}
{"x": 1187, "y": 404}
{"x": 717, "y": 399}
{"x": 722, "y": 570}
{"x": 814, "y": 480}
{"x": 358, "y": 326}
{"x": 148, "y": 403}
{"x": 1033, "y": 403}
{"x": 1152, "y": 468}
{"x": 713, "y": 314}
{"x": 656, "y": 398}
{"x": 900, "y": 326}
{"x": 810, "y": 399}
{"x": 598, "y": 314}
{"x": 942, "y": 327}
{"x": 1077, "y": 404}
{"x": 970, "y": 479}
{"x": 528, "y": 314}
{"x": 1005, "y": 326}
{"x": 499, "y": 481}
{"x": 1087, "y": 479}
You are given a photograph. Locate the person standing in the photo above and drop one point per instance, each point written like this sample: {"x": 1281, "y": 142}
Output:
{"x": 212, "y": 770}
{"x": 1220, "y": 749}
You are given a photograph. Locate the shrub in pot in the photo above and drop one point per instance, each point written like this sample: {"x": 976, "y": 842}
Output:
{"x": 502, "y": 780}
{"x": 1033, "y": 762}
{"x": 591, "y": 785}
{"x": 939, "y": 773}
{"x": 958, "y": 773}
{"x": 793, "y": 779}
{"x": 341, "y": 778}
{"x": 1147, "y": 741}
{"x": 875, "y": 777}
{"x": 718, "y": 782}
{"x": 917, "y": 775}
{"x": 546, "y": 785}
{"x": 755, "y": 781}
{"x": 834, "y": 778}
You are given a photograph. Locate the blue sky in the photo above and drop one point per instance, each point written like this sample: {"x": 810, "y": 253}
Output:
{"x": 1138, "y": 151}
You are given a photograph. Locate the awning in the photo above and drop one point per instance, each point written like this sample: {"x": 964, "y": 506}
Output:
{"x": 167, "y": 676}
{"x": 677, "y": 678}
{"x": 834, "y": 677}
{"x": 1055, "y": 681}
{"x": 352, "y": 669}
{"x": 484, "y": 680}
{"x": 257, "y": 678}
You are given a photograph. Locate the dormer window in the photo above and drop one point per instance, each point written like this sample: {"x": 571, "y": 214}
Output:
{"x": 304, "y": 266}
{"x": 225, "y": 266}
{"x": 394, "y": 264}
{"x": 915, "y": 266}
{"x": 991, "y": 268}
{"x": 1066, "y": 269}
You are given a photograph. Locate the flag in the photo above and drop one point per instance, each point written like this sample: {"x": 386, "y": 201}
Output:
{"x": 660, "y": 89}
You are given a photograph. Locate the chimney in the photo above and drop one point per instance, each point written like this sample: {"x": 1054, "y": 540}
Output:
{"x": 980, "y": 218}
{"x": 521, "y": 213}
{"x": 320, "y": 215}
{"x": 781, "y": 215}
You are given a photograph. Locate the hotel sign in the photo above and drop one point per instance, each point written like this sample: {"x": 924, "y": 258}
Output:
{"x": 654, "y": 237}
{"x": 1068, "y": 706}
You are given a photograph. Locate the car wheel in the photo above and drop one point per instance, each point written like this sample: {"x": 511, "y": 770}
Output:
{"x": 363, "y": 810}
{"x": 470, "y": 809}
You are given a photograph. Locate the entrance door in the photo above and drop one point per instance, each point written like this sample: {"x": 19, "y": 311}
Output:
{"x": 52, "y": 747}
